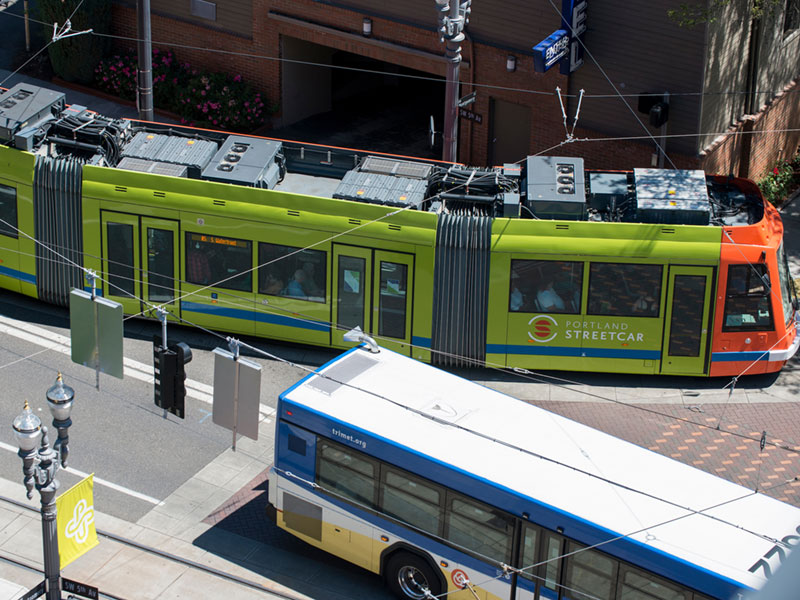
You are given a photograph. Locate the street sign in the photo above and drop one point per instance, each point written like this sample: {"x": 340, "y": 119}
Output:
{"x": 35, "y": 592}
{"x": 75, "y": 587}
{"x": 472, "y": 116}
{"x": 237, "y": 393}
{"x": 467, "y": 100}
{"x": 96, "y": 332}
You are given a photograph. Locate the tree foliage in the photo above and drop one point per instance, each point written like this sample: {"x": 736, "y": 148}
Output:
{"x": 689, "y": 14}
{"x": 74, "y": 58}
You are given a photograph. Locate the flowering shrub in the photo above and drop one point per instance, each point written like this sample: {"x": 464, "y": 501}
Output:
{"x": 117, "y": 76}
{"x": 219, "y": 101}
{"x": 782, "y": 181}
{"x": 213, "y": 100}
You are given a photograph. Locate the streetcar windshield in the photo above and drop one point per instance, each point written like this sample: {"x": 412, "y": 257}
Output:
{"x": 787, "y": 286}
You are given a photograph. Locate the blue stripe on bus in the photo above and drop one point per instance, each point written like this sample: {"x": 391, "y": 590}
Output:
{"x": 593, "y": 533}
{"x": 21, "y": 275}
{"x": 420, "y": 342}
{"x": 573, "y": 352}
{"x": 252, "y": 315}
{"x": 738, "y": 356}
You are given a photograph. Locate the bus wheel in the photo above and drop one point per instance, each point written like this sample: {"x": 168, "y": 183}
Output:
{"x": 408, "y": 576}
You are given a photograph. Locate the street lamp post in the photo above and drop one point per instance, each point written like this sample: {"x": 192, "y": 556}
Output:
{"x": 39, "y": 468}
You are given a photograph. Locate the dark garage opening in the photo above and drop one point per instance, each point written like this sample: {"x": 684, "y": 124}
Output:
{"x": 359, "y": 102}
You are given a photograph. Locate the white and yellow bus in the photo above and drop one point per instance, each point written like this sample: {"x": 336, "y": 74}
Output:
{"x": 446, "y": 487}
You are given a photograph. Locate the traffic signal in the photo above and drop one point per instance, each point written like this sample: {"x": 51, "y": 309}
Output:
{"x": 183, "y": 355}
{"x": 170, "y": 375}
{"x": 164, "y": 365}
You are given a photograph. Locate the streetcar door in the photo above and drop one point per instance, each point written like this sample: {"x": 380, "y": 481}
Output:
{"x": 685, "y": 343}
{"x": 351, "y": 292}
{"x": 391, "y": 310}
{"x": 372, "y": 290}
{"x": 140, "y": 261}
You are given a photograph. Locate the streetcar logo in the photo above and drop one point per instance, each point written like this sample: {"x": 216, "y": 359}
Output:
{"x": 459, "y": 578}
{"x": 78, "y": 526}
{"x": 543, "y": 328}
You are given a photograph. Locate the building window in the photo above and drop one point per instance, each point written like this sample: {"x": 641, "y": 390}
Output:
{"x": 204, "y": 10}
{"x": 791, "y": 17}
{"x": 8, "y": 211}
{"x": 219, "y": 262}
{"x": 747, "y": 299}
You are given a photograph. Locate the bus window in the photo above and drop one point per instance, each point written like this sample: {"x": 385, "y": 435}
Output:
{"x": 747, "y": 299}
{"x": 483, "y": 530}
{"x": 624, "y": 290}
{"x": 290, "y": 271}
{"x": 639, "y": 585}
{"x": 8, "y": 211}
{"x": 411, "y": 501}
{"x": 219, "y": 261}
{"x": 529, "y": 551}
{"x": 346, "y": 472}
{"x": 548, "y": 286}
{"x": 590, "y": 574}
{"x": 552, "y": 565}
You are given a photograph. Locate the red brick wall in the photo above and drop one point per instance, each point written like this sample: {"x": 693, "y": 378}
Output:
{"x": 768, "y": 143}
{"x": 483, "y": 64}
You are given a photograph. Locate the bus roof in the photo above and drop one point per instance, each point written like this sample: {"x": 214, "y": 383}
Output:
{"x": 588, "y": 474}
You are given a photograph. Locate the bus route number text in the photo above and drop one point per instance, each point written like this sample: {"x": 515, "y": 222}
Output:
{"x": 777, "y": 550}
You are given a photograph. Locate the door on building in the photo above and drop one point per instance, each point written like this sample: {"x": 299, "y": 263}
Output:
{"x": 509, "y": 131}
{"x": 372, "y": 289}
{"x": 140, "y": 262}
{"x": 685, "y": 343}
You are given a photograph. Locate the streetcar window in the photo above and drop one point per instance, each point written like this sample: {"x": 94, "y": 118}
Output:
{"x": 120, "y": 263}
{"x": 411, "y": 501}
{"x": 219, "y": 261}
{"x": 639, "y": 585}
{"x": 624, "y": 290}
{"x": 529, "y": 551}
{"x": 477, "y": 527}
{"x": 545, "y": 286}
{"x": 348, "y": 473}
{"x": 787, "y": 291}
{"x": 8, "y": 211}
{"x": 590, "y": 574}
{"x": 290, "y": 271}
{"x": 747, "y": 299}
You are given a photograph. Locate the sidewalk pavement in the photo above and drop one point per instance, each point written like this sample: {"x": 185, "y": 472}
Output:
{"x": 173, "y": 527}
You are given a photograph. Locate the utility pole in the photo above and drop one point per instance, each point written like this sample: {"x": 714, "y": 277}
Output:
{"x": 453, "y": 17}
{"x": 144, "y": 92}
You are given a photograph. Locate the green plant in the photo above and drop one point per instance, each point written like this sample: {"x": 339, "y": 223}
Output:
{"x": 117, "y": 75}
{"x": 73, "y": 58}
{"x": 220, "y": 101}
{"x": 784, "y": 179}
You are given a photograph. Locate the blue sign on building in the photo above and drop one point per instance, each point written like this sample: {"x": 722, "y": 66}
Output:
{"x": 550, "y": 50}
{"x": 564, "y": 42}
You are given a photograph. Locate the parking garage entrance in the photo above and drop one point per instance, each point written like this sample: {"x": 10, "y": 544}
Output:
{"x": 338, "y": 98}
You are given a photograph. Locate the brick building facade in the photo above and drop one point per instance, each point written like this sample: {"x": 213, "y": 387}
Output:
{"x": 283, "y": 47}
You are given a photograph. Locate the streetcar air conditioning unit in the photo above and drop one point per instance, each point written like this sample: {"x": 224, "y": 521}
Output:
{"x": 195, "y": 154}
{"x": 150, "y": 166}
{"x": 23, "y": 108}
{"x": 608, "y": 190}
{"x": 246, "y": 161}
{"x": 385, "y": 181}
{"x": 671, "y": 196}
{"x": 555, "y": 187}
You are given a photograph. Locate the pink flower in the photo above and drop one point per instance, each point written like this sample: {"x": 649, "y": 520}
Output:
{"x": 775, "y": 171}
{"x": 237, "y": 78}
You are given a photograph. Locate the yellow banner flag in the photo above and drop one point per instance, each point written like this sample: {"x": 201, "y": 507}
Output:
{"x": 75, "y": 521}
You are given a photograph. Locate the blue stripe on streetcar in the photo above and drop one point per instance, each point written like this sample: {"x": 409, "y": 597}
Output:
{"x": 421, "y": 342}
{"x": 573, "y": 352}
{"x": 251, "y": 315}
{"x": 21, "y": 275}
{"x": 738, "y": 356}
